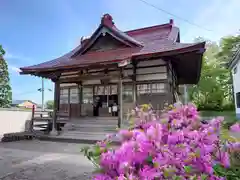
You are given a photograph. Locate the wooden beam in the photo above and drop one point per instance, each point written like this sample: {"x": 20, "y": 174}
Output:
{"x": 86, "y": 77}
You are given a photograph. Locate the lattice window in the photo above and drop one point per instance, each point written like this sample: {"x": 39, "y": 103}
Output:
{"x": 144, "y": 88}
{"x": 74, "y": 95}
{"x": 158, "y": 88}
{"x": 151, "y": 88}
{"x": 87, "y": 95}
{"x": 127, "y": 93}
{"x": 64, "y": 96}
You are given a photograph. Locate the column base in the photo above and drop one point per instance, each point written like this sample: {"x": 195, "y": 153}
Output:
{"x": 54, "y": 132}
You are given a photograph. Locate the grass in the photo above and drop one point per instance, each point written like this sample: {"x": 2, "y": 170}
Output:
{"x": 229, "y": 114}
{"x": 229, "y": 117}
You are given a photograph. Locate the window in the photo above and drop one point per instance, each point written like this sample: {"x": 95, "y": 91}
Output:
{"x": 144, "y": 88}
{"x": 151, "y": 88}
{"x": 238, "y": 99}
{"x": 99, "y": 90}
{"x": 113, "y": 89}
{"x": 127, "y": 93}
{"x": 158, "y": 88}
{"x": 64, "y": 96}
{"x": 87, "y": 95}
{"x": 74, "y": 95}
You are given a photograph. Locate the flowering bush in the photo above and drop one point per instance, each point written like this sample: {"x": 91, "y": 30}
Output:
{"x": 177, "y": 145}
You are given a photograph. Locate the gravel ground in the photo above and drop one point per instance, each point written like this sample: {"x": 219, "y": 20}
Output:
{"x": 39, "y": 160}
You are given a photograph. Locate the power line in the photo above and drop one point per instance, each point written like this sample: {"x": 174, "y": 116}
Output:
{"x": 30, "y": 92}
{"x": 171, "y": 14}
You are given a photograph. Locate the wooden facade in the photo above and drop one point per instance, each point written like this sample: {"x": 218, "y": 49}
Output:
{"x": 145, "y": 82}
{"x": 127, "y": 68}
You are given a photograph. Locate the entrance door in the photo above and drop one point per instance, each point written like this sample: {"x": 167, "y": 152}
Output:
{"x": 113, "y": 100}
{"x": 104, "y": 98}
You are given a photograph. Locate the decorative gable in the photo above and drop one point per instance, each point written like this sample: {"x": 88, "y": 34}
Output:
{"x": 106, "y": 42}
{"x": 106, "y": 37}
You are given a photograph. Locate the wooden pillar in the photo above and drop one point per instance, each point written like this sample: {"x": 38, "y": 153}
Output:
{"x": 80, "y": 98}
{"x": 134, "y": 79}
{"x": 169, "y": 84}
{"x": 69, "y": 104}
{"x": 120, "y": 100}
{"x": 56, "y": 107}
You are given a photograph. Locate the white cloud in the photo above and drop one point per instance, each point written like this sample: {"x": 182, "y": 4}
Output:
{"x": 220, "y": 16}
{"x": 14, "y": 69}
{"x": 17, "y": 57}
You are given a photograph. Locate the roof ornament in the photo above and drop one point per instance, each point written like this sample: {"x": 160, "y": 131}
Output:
{"x": 171, "y": 22}
{"x": 84, "y": 39}
{"x": 107, "y": 20}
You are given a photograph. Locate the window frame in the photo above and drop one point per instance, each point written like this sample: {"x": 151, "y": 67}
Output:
{"x": 238, "y": 100}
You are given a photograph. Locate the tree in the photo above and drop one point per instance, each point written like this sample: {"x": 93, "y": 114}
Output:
{"x": 228, "y": 47}
{"x": 212, "y": 91}
{"x": 49, "y": 104}
{"x": 5, "y": 88}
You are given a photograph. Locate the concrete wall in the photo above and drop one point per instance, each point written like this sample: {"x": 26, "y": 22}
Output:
{"x": 236, "y": 85}
{"x": 13, "y": 120}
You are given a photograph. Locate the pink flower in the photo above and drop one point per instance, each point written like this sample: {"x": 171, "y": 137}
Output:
{"x": 101, "y": 177}
{"x": 154, "y": 132}
{"x": 225, "y": 159}
{"x": 235, "y": 127}
{"x": 125, "y": 135}
{"x": 176, "y": 144}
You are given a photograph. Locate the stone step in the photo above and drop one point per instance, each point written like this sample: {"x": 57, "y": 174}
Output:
{"x": 103, "y": 130}
{"x": 83, "y": 136}
{"x": 101, "y": 118}
{"x": 92, "y": 125}
{"x": 86, "y": 136}
{"x": 97, "y": 119}
{"x": 86, "y": 133}
{"x": 97, "y": 123}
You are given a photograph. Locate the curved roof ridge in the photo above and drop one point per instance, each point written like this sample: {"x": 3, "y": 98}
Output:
{"x": 133, "y": 31}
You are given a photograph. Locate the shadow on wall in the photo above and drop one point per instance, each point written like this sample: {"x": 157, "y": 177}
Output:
{"x": 12, "y": 121}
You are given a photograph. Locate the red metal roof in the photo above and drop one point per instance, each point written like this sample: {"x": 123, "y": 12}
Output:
{"x": 159, "y": 40}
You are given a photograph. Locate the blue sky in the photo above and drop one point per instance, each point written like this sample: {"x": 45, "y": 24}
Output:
{"x": 34, "y": 31}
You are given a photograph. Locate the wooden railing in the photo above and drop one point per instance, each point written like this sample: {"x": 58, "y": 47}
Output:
{"x": 40, "y": 120}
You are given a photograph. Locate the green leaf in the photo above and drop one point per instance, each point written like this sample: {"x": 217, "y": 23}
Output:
{"x": 188, "y": 169}
{"x": 97, "y": 151}
{"x": 175, "y": 177}
{"x": 204, "y": 177}
{"x": 149, "y": 160}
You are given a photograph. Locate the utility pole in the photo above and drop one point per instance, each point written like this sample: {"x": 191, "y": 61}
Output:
{"x": 42, "y": 90}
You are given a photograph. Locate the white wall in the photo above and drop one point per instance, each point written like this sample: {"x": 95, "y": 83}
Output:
{"x": 13, "y": 121}
{"x": 236, "y": 84}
